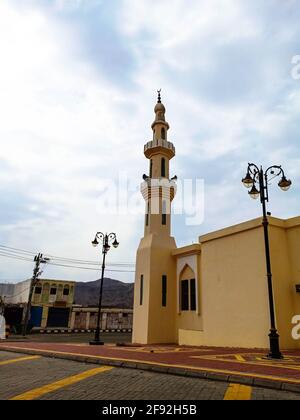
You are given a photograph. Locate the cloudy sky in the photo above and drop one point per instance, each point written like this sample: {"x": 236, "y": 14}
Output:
{"x": 78, "y": 81}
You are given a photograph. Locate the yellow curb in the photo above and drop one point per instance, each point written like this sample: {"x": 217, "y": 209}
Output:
{"x": 144, "y": 362}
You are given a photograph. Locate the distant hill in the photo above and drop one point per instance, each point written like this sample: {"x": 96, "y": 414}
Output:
{"x": 116, "y": 294}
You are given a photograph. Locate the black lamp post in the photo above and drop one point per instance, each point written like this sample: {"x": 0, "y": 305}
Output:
{"x": 105, "y": 240}
{"x": 257, "y": 180}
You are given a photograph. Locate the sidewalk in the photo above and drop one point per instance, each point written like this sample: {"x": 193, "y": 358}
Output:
{"x": 242, "y": 366}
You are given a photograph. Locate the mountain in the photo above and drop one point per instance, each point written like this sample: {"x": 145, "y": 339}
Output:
{"x": 116, "y": 294}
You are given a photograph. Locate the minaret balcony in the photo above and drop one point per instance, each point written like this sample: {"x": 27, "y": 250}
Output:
{"x": 159, "y": 146}
{"x": 155, "y": 188}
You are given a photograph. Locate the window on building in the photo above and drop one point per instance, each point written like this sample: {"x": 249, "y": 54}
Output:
{"x": 147, "y": 214}
{"x": 66, "y": 291}
{"x": 163, "y": 167}
{"x": 193, "y": 294}
{"x": 164, "y": 290}
{"x": 53, "y": 291}
{"x": 38, "y": 290}
{"x": 164, "y": 213}
{"x": 151, "y": 166}
{"x": 163, "y": 133}
{"x": 125, "y": 315}
{"x": 184, "y": 295}
{"x": 141, "y": 289}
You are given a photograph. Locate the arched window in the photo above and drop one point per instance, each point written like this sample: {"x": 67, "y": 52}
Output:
{"x": 66, "y": 290}
{"x": 163, "y": 133}
{"x": 38, "y": 289}
{"x": 151, "y": 165}
{"x": 163, "y": 167}
{"x": 188, "y": 290}
{"x": 53, "y": 289}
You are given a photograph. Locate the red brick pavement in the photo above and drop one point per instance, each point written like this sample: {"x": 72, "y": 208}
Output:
{"x": 241, "y": 362}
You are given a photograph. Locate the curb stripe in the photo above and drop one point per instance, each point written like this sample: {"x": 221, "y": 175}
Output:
{"x": 107, "y": 359}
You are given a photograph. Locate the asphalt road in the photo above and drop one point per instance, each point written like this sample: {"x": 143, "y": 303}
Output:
{"x": 25, "y": 377}
{"x": 73, "y": 338}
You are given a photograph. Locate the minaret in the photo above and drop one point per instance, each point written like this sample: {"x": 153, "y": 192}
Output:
{"x": 155, "y": 282}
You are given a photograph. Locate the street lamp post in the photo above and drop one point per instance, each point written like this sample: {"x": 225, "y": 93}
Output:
{"x": 257, "y": 180}
{"x": 106, "y": 239}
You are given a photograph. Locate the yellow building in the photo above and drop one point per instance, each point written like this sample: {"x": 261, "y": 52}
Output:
{"x": 214, "y": 292}
{"x": 52, "y": 303}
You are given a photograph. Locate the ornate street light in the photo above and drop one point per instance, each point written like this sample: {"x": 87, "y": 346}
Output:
{"x": 285, "y": 184}
{"x": 258, "y": 180}
{"x": 248, "y": 180}
{"x": 105, "y": 239}
{"x": 254, "y": 193}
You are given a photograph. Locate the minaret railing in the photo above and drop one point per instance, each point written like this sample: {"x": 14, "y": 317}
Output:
{"x": 159, "y": 143}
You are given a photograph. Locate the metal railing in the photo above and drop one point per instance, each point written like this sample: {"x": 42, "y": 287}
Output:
{"x": 159, "y": 143}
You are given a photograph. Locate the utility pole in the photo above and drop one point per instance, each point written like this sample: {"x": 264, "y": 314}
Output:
{"x": 38, "y": 259}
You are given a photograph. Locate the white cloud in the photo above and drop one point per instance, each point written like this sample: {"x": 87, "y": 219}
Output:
{"x": 71, "y": 5}
{"x": 65, "y": 125}
{"x": 60, "y": 135}
{"x": 177, "y": 22}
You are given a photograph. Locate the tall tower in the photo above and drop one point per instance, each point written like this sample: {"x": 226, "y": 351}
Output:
{"x": 155, "y": 282}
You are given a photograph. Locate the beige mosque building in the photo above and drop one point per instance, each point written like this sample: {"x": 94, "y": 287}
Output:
{"x": 214, "y": 292}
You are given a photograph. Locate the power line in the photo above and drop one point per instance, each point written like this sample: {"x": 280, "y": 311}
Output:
{"x": 90, "y": 268}
{"x": 19, "y": 252}
{"x": 83, "y": 262}
{"x": 17, "y": 249}
{"x": 13, "y": 256}
{"x": 77, "y": 260}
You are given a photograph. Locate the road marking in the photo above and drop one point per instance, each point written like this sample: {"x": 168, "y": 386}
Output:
{"x": 239, "y": 358}
{"x": 260, "y": 361}
{"x": 54, "y": 386}
{"x": 20, "y": 359}
{"x": 238, "y": 392}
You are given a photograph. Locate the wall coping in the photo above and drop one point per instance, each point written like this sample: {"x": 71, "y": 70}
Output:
{"x": 250, "y": 225}
{"x": 187, "y": 250}
{"x": 44, "y": 280}
{"x": 233, "y": 230}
